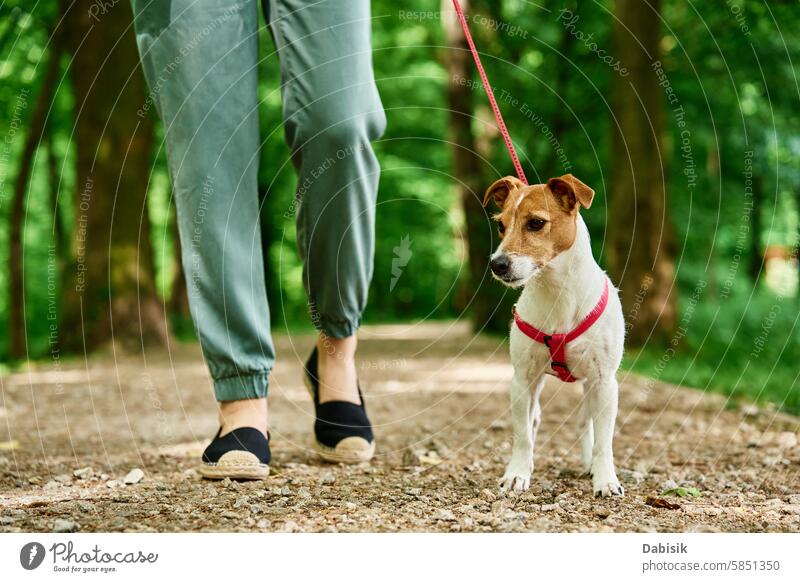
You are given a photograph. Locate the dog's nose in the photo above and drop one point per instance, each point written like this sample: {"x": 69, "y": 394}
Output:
{"x": 500, "y": 265}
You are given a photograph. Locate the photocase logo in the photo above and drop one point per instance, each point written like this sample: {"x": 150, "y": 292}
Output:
{"x": 402, "y": 254}
{"x": 31, "y": 555}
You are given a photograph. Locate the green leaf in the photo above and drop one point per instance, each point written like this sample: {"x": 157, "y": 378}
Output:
{"x": 682, "y": 492}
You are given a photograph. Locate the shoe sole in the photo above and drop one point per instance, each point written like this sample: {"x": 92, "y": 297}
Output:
{"x": 350, "y": 450}
{"x": 236, "y": 465}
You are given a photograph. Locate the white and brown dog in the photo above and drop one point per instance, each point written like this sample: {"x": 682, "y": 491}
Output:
{"x": 568, "y": 321}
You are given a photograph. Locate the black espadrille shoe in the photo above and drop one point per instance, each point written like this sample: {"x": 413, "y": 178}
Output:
{"x": 342, "y": 430}
{"x": 243, "y": 453}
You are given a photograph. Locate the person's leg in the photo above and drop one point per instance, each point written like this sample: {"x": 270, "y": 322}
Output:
{"x": 332, "y": 112}
{"x": 200, "y": 57}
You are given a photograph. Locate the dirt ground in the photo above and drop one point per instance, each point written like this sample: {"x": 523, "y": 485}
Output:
{"x": 71, "y": 432}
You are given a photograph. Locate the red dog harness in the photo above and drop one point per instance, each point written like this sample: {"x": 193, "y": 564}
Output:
{"x": 557, "y": 342}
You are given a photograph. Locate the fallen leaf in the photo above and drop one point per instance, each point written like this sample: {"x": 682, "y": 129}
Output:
{"x": 661, "y": 503}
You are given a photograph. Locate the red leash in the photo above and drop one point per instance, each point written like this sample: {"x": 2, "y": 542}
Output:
{"x": 497, "y": 115}
{"x": 557, "y": 342}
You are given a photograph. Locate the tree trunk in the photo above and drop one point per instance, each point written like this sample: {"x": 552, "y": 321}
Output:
{"x": 179, "y": 294}
{"x": 485, "y": 296}
{"x": 756, "y": 254}
{"x": 640, "y": 235}
{"x": 111, "y": 291}
{"x": 36, "y": 125}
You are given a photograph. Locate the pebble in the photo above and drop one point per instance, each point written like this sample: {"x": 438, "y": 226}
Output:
{"x": 64, "y": 526}
{"x": 113, "y": 483}
{"x": 602, "y": 512}
{"x": 487, "y": 495}
{"x": 63, "y": 479}
{"x": 551, "y": 507}
{"x": 786, "y": 440}
{"x": 134, "y": 477}
{"x": 327, "y": 479}
{"x": 668, "y": 484}
{"x": 85, "y": 473}
{"x": 444, "y": 515}
{"x": 50, "y": 485}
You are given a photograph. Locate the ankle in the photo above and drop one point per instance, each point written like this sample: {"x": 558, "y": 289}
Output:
{"x": 336, "y": 349}
{"x": 337, "y": 369}
{"x": 243, "y": 413}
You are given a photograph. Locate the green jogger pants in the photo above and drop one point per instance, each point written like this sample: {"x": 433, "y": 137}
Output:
{"x": 200, "y": 59}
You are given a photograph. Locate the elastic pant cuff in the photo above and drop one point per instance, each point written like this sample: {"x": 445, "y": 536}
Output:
{"x": 244, "y": 386}
{"x": 338, "y": 328}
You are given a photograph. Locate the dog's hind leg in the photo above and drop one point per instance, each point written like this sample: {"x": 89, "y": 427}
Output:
{"x": 603, "y": 393}
{"x": 586, "y": 432}
{"x": 526, "y": 416}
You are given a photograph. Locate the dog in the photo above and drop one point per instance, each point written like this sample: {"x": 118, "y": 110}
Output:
{"x": 545, "y": 250}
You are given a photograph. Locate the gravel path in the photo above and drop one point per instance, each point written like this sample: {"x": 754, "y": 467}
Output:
{"x": 72, "y": 434}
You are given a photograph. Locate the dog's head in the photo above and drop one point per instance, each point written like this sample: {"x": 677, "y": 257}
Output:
{"x": 536, "y": 223}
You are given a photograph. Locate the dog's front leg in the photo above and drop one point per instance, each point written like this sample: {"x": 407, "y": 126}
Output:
{"x": 525, "y": 419}
{"x": 587, "y": 432}
{"x": 603, "y": 395}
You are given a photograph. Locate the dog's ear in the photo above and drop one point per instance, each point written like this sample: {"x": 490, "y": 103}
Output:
{"x": 570, "y": 191}
{"x": 501, "y": 189}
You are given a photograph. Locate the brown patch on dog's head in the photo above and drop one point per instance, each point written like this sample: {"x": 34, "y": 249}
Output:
{"x": 536, "y": 223}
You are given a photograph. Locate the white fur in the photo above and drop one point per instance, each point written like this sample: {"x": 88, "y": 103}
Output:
{"x": 555, "y": 299}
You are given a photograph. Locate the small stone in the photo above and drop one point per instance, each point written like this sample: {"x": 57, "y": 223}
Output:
{"x": 414, "y": 491}
{"x": 327, "y": 479}
{"x": 487, "y": 495}
{"x": 104, "y": 477}
{"x": 304, "y": 493}
{"x": 65, "y": 526}
{"x": 498, "y": 425}
{"x": 51, "y": 484}
{"x": 285, "y": 491}
{"x": 263, "y": 523}
{"x": 602, "y": 512}
{"x": 444, "y": 515}
{"x": 551, "y": 507}
{"x": 289, "y": 526}
{"x": 82, "y": 474}
{"x": 750, "y": 410}
{"x": 134, "y": 477}
{"x": 113, "y": 483}
{"x": 63, "y": 479}
{"x": 350, "y": 505}
{"x": 786, "y": 440}
{"x": 669, "y": 484}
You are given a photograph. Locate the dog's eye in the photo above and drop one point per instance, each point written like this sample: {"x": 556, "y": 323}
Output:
{"x": 535, "y": 224}
{"x": 501, "y": 227}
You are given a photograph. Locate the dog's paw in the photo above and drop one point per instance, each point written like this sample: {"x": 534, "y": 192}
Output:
{"x": 607, "y": 488}
{"x": 515, "y": 484}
